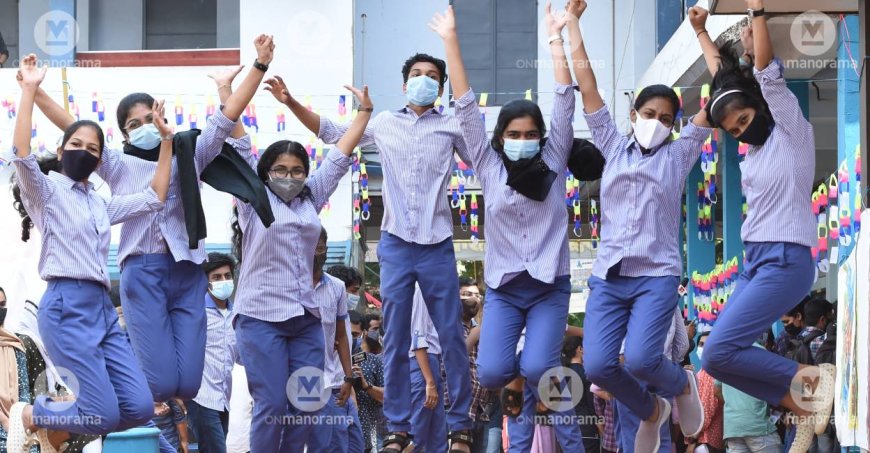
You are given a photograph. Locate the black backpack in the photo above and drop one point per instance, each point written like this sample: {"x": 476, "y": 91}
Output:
{"x": 799, "y": 349}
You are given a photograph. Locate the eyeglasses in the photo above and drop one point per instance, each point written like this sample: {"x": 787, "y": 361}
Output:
{"x": 283, "y": 173}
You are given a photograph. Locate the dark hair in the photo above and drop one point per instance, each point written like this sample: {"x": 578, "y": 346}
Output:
{"x": 355, "y": 317}
{"x": 369, "y": 318}
{"x": 127, "y": 103}
{"x": 324, "y": 236}
{"x": 45, "y": 165}
{"x": 2, "y": 291}
{"x": 275, "y": 150}
{"x": 218, "y": 260}
{"x": 518, "y": 108}
{"x": 798, "y": 309}
{"x": 115, "y": 295}
{"x": 702, "y": 335}
{"x": 347, "y": 274}
{"x": 569, "y": 349}
{"x": 731, "y": 76}
{"x": 657, "y": 91}
{"x": 467, "y": 281}
{"x": 815, "y": 310}
{"x": 422, "y": 57}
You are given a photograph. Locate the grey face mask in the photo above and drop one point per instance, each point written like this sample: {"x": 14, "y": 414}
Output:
{"x": 286, "y": 189}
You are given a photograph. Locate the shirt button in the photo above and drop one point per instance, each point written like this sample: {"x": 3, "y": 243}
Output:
{"x": 524, "y": 236}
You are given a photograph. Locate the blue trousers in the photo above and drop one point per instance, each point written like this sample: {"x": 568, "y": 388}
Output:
{"x": 80, "y": 329}
{"x": 165, "y": 314}
{"x": 428, "y": 426}
{"x": 209, "y": 426}
{"x": 272, "y": 352}
{"x": 433, "y": 267}
{"x": 541, "y": 308}
{"x": 628, "y": 425}
{"x": 638, "y": 310}
{"x": 775, "y": 279}
{"x": 340, "y": 431}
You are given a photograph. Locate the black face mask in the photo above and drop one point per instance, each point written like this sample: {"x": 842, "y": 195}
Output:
{"x": 468, "y": 309}
{"x": 793, "y": 330}
{"x": 758, "y": 131}
{"x": 78, "y": 164}
{"x": 319, "y": 260}
{"x": 3, "y": 312}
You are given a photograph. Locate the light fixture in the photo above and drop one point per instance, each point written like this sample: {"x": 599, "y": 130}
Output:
{"x": 787, "y": 7}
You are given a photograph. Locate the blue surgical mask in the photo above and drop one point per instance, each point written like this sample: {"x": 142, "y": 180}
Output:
{"x": 222, "y": 289}
{"x": 521, "y": 149}
{"x": 145, "y": 137}
{"x": 357, "y": 344}
{"x": 352, "y": 301}
{"x": 422, "y": 91}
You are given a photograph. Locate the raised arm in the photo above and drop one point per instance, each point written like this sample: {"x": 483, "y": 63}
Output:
{"x": 592, "y": 101}
{"x": 30, "y": 76}
{"x": 475, "y": 143}
{"x": 160, "y": 181}
{"x": 279, "y": 90}
{"x": 763, "y": 48}
{"x": 238, "y": 100}
{"x": 325, "y": 180}
{"x": 224, "y": 81}
{"x": 698, "y": 19}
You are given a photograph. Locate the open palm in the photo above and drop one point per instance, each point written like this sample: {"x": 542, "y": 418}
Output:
{"x": 444, "y": 24}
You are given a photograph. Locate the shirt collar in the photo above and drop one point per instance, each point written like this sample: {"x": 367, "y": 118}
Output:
{"x": 209, "y": 302}
{"x": 407, "y": 110}
{"x": 66, "y": 181}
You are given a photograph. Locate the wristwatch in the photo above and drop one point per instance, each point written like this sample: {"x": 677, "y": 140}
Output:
{"x": 753, "y": 13}
{"x": 260, "y": 66}
{"x": 348, "y": 379}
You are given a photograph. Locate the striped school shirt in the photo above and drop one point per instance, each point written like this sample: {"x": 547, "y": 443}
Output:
{"x": 522, "y": 234}
{"x": 417, "y": 157}
{"x": 777, "y": 177}
{"x": 423, "y": 333}
{"x": 331, "y": 300}
{"x": 642, "y": 199}
{"x": 221, "y": 354}
{"x": 163, "y": 232}
{"x": 277, "y": 262}
{"x": 75, "y": 222}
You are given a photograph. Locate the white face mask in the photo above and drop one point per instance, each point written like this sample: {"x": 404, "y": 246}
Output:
{"x": 700, "y": 352}
{"x": 352, "y": 301}
{"x": 222, "y": 289}
{"x": 650, "y": 133}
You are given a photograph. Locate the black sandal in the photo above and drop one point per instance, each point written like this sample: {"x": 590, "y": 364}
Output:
{"x": 462, "y": 437}
{"x": 511, "y": 402}
{"x": 404, "y": 440}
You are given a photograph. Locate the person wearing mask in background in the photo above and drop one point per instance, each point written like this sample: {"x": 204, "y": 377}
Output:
{"x": 748, "y": 424}
{"x": 816, "y": 318}
{"x": 208, "y": 413}
{"x": 373, "y": 322}
{"x": 75, "y": 223}
{"x": 793, "y": 324}
{"x": 711, "y": 434}
{"x": 339, "y": 431}
{"x": 371, "y": 392}
{"x": 352, "y": 284}
{"x": 482, "y": 399}
{"x": 14, "y": 380}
